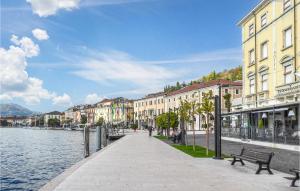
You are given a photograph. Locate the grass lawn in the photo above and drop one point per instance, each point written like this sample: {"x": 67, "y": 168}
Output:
{"x": 161, "y": 137}
{"x": 200, "y": 152}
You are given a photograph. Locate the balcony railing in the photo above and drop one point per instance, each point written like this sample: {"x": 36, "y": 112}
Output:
{"x": 288, "y": 89}
{"x": 264, "y": 95}
{"x": 250, "y": 98}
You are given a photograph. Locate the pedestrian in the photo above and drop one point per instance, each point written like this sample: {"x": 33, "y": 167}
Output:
{"x": 150, "y": 130}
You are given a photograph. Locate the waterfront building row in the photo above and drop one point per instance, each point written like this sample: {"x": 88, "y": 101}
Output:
{"x": 146, "y": 109}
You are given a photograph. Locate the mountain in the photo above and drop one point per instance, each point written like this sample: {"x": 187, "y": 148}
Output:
{"x": 14, "y": 110}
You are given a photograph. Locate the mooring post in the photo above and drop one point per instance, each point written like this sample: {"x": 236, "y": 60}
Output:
{"x": 98, "y": 132}
{"x": 86, "y": 135}
{"x": 104, "y": 136}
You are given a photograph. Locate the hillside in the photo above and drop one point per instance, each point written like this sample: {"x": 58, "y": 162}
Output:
{"x": 14, "y": 110}
{"x": 232, "y": 74}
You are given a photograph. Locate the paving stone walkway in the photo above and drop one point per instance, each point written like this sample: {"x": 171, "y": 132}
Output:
{"x": 141, "y": 163}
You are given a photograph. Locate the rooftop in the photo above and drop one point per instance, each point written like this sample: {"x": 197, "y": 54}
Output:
{"x": 200, "y": 85}
{"x": 258, "y": 6}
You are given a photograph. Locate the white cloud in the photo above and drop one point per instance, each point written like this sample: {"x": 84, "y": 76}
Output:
{"x": 64, "y": 100}
{"x": 45, "y": 8}
{"x": 14, "y": 79}
{"x": 27, "y": 45}
{"x": 40, "y": 34}
{"x": 107, "y": 67}
{"x": 92, "y": 3}
{"x": 93, "y": 98}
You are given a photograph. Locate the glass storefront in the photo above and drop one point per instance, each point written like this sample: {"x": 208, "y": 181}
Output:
{"x": 277, "y": 124}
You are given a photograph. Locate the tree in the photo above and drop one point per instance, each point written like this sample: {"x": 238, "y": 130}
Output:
{"x": 100, "y": 122}
{"x": 207, "y": 107}
{"x": 173, "y": 120}
{"x": 192, "y": 113}
{"x": 134, "y": 126}
{"x": 162, "y": 121}
{"x": 54, "y": 122}
{"x": 184, "y": 118}
{"x": 3, "y": 123}
{"x": 227, "y": 98}
{"x": 83, "y": 119}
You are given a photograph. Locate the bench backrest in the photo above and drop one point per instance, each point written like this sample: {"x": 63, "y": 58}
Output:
{"x": 263, "y": 156}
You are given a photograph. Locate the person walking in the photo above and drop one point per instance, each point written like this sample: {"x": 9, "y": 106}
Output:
{"x": 150, "y": 130}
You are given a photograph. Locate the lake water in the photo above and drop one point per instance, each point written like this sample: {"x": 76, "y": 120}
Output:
{"x": 30, "y": 158}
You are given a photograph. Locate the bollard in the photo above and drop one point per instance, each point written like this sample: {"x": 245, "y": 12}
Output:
{"x": 105, "y": 135}
{"x": 86, "y": 135}
{"x": 98, "y": 132}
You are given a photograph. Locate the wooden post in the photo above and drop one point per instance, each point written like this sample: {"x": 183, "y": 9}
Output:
{"x": 86, "y": 135}
{"x": 98, "y": 132}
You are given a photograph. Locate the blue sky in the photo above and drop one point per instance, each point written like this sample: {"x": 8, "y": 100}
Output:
{"x": 106, "y": 48}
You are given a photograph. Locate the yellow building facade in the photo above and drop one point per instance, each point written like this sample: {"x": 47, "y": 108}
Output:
{"x": 147, "y": 108}
{"x": 270, "y": 38}
{"x": 271, "y": 72}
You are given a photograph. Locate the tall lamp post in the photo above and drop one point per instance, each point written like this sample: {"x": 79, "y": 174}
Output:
{"x": 217, "y": 121}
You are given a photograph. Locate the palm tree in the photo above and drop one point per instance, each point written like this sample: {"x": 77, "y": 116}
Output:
{"x": 207, "y": 107}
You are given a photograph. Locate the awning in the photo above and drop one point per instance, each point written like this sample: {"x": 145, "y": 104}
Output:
{"x": 271, "y": 110}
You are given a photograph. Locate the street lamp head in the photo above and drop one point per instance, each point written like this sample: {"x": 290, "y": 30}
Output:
{"x": 291, "y": 113}
{"x": 264, "y": 116}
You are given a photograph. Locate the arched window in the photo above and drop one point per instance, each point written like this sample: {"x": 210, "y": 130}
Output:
{"x": 288, "y": 71}
{"x": 251, "y": 78}
{"x": 263, "y": 71}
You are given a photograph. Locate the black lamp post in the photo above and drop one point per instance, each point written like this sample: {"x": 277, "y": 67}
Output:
{"x": 217, "y": 121}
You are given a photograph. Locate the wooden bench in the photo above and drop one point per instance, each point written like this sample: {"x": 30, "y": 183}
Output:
{"x": 263, "y": 159}
{"x": 296, "y": 171}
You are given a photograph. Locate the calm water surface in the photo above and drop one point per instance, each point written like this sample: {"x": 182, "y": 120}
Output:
{"x": 30, "y": 158}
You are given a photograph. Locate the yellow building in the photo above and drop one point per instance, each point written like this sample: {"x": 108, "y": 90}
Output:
{"x": 115, "y": 111}
{"x": 147, "y": 108}
{"x": 270, "y": 53}
{"x": 271, "y": 68}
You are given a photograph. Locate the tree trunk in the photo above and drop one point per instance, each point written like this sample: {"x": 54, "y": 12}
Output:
{"x": 183, "y": 142}
{"x": 207, "y": 134}
{"x": 194, "y": 138}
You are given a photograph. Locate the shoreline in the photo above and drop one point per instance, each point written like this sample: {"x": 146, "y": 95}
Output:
{"x": 53, "y": 183}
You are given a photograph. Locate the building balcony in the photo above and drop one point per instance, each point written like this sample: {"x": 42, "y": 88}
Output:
{"x": 264, "y": 95}
{"x": 250, "y": 99}
{"x": 290, "y": 89}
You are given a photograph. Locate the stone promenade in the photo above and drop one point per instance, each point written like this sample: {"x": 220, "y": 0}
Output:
{"x": 141, "y": 163}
